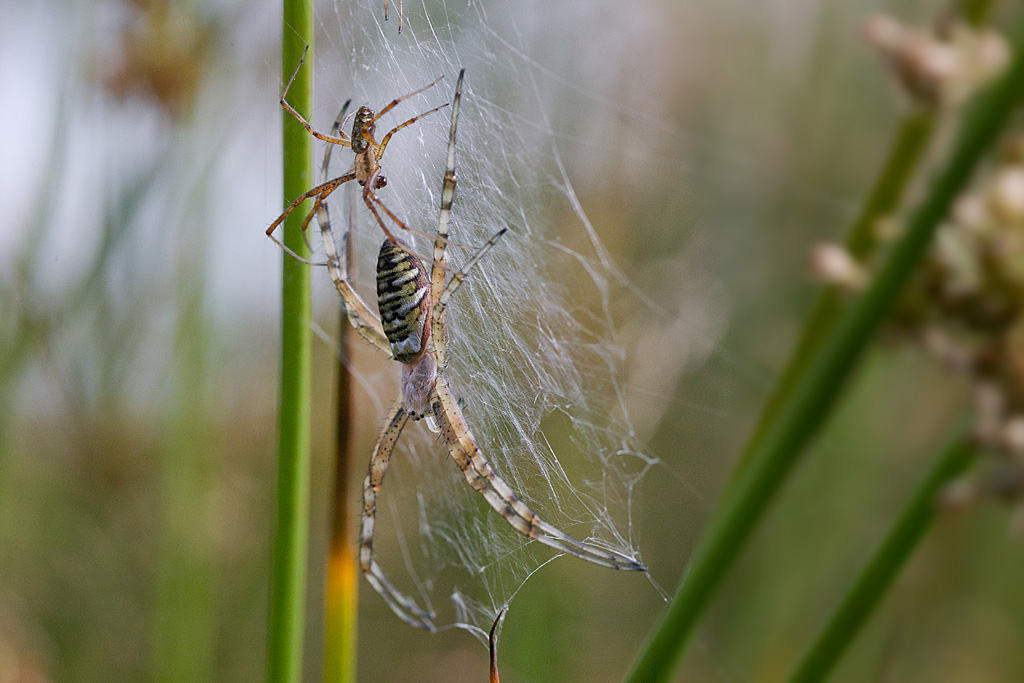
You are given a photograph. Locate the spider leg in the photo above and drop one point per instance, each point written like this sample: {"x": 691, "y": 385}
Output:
{"x": 395, "y": 102}
{"x": 371, "y": 198}
{"x": 320, "y": 207}
{"x": 357, "y": 312}
{"x": 384, "y": 142}
{"x": 323, "y": 191}
{"x": 458, "y": 278}
{"x": 439, "y": 330}
{"x": 403, "y": 606}
{"x": 437, "y": 273}
{"x": 467, "y": 455}
{"x": 337, "y": 140}
{"x": 440, "y": 294}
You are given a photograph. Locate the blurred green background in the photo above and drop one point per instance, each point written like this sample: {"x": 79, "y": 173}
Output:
{"x": 138, "y": 349}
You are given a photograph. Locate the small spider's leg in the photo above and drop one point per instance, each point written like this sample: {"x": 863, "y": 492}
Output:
{"x": 394, "y": 102}
{"x": 399, "y": 13}
{"x": 372, "y": 197}
{"x": 320, "y": 208}
{"x": 323, "y": 189}
{"x": 343, "y": 122}
{"x": 295, "y": 73}
{"x": 340, "y": 139}
{"x": 320, "y": 192}
{"x": 315, "y": 211}
{"x": 464, "y": 450}
{"x": 338, "y": 122}
{"x": 403, "y": 606}
{"x": 384, "y": 142}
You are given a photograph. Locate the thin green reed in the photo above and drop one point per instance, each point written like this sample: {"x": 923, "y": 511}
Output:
{"x": 824, "y": 377}
{"x": 909, "y": 147}
{"x": 184, "y": 628}
{"x": 878, "y": 574}
{"x": 288, "y": 580}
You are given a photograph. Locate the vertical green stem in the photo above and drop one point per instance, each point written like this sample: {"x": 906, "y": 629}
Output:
{"x": 912, "y": 138}
{"x": 184, "y": 628}
{"x": 875, "y": 579}
{"x": 799, "y": 420}
{"x": 288, "y": 581}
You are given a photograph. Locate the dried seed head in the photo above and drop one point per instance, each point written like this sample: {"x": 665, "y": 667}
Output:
{"x": 1013, "y": 434}
{"x": 938, "y": 68}
{"x": 971, "y": 212}
{"x": 1006, "y": 195}
{"x": 833, "y": 263}
{"x": 960, "y": 494}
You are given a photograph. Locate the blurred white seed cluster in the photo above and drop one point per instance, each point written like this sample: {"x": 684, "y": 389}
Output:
{"x": 941, "y": 65}
{"x": 965, "y": 305}
{"x": 973, "y": 283}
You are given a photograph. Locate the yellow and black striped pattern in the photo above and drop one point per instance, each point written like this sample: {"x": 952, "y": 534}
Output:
{"x": 403, "y": 301}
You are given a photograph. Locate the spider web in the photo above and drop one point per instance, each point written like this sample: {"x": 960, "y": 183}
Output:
{"x": 539, "y": 368}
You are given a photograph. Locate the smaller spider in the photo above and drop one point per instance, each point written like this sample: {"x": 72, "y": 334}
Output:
{"x": 366, "y": 169}
{"x": 412, "y": 331}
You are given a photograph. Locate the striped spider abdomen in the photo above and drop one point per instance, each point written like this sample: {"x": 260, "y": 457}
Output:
{"x": 403, "y": 301}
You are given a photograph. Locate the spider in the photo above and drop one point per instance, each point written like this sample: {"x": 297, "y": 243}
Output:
{"x": 412, "y": 331}
{"x": 368, "y": 155}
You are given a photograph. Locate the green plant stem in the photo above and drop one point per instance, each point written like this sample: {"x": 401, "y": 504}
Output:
{"x": 912, "y": 138}
{"x": 876, "y": 577}
{"x": 288, "y": 580}
{"x": 184, "y": 635}
{"x": 813, "y": 397}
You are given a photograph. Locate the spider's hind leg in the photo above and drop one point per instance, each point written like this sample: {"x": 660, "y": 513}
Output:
{"x": 403, "y": 606}
{"x": 499, "y": 495}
